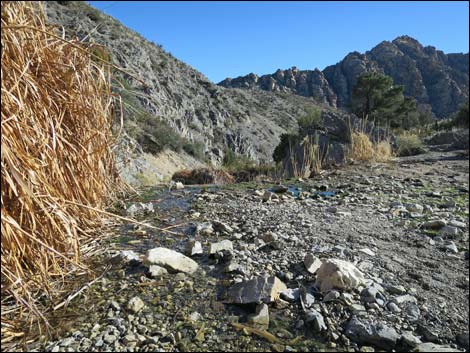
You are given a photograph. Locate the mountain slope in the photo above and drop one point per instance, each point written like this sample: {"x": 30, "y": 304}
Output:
{"x": 248, "y": 123}
{"x": 429, "y": 75}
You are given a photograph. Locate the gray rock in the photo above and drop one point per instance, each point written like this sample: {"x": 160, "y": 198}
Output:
{"x": 291, "y": 295}
{"x": 315, "y": 319}
{"x": 125, "y": 256}
{"x": 171, "y": 259}
{"x": 414, "y": 207}
{"x": 394, "y": 308}
{"x": 278, "y": 189}
{"x": 379, "y": 335}
{"x": 331, "y": 296}
{"x": 410, "y": 340}
{"x": 222, "y": 227}
{"x": 457, "y": 224}
{"x": 449, "y": 231}
{"x": 258, "y": 290}
{"x": 451, "y": 247}
{"x": 432, "y": 347}
{"x": 463, "y": 339}
{"x": 434, "y": 224}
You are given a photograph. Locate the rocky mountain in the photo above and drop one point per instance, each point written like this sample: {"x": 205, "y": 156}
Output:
{"x": 429, "y": 75}
{"x": 247, "y": 122}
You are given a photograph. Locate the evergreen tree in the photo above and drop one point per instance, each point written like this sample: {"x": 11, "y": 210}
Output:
{"x": 376, "y": 98}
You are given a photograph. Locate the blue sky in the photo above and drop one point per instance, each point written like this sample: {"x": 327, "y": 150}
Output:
{"x": 229, "y": 39}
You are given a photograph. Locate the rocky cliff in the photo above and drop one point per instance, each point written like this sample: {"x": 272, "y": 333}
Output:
{"x": 247, "y": 122}
{"x": 429, "y": 75}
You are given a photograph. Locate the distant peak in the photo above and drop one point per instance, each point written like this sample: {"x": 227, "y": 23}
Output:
{"x": 408, "y": 40}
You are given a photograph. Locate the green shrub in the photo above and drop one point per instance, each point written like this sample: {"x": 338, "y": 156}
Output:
{"x": 409, "y": 145}
{"x": 312, "y": 120}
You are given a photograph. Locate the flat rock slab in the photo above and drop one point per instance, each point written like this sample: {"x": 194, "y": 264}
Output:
{"x": 171, "y": 260}
{"x": 378, "y": 335}
{"x": 432, "y": 347}
{"x": 257, "y": 290}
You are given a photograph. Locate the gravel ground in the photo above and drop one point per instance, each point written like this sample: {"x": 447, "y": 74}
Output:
{"x": 403, "y": 225}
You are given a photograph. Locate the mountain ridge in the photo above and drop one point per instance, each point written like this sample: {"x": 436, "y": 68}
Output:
{"x": 429, "y": 75}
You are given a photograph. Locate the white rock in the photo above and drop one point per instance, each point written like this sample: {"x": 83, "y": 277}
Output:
{"x": 179, "y": 185}
{"x": 367, "y": 251}
{"x": 171, "y": 259}
{"x": 339, "y": 274}
{"x": 157, "y": 271}
{"x": 194, "y": 247}
{"x": 312, "y": 263}
{"x": 224, "y": 245}
{"x": 135, "y": 304}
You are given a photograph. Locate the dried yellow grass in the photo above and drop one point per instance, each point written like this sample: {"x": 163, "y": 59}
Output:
{"x": 362, "y": 149}
{"x": 56, "y": 155}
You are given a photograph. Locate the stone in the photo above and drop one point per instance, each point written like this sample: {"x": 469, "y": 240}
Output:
{"x": 291, "y": 295}
{"x": 371, "y": 295}
{"x": 315, "y": 319}
{"x": 379, "y": 335}
{"x": 457, "y": 224}
{"x": 224, "y": 246}
{"x": 235, "y": 268}
{"x": 449, "y": 231}
{"x": 463, "y": 339}
{"x": 222, "y": 227}
{"x": 261, "y": 317}
{"x": 331, "y": 295}
{"x": 394, "y": 308}
{"x": 157, "y": 271}
{"x": 428, "y": 335}
{"x": 338, "y": 274}
{"x": 193, "y": 248}
{"x": 432, "y": 347}
{"x": 267, "y": 196}
{"x": 451, "y": 247}
{"x": 410, "y": 340}
{"x": 278, "y": 189}
{"x": 414, "y": 207}
{"x": 257, "y": 290}
{"x": 406, "y": 298}
{"x": 312, "y": 263}
{"x": 270, "y": 237}
{"x": 367, "y": 251}
{"x": 204, "y": 229}
{"x": 434, "y": 224}
{"x": 179, "y": 185}
{"x": 171, "y": 260}
{"x": 135, "y": 305}
{"x": 125, "y": 256}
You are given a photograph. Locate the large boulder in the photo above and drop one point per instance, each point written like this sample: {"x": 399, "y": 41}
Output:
{"x": 338, "y": 274}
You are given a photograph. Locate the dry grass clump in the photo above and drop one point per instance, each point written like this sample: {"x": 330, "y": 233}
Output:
{"x": 362, "y": 149}
{"x": 56, "y": 156}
